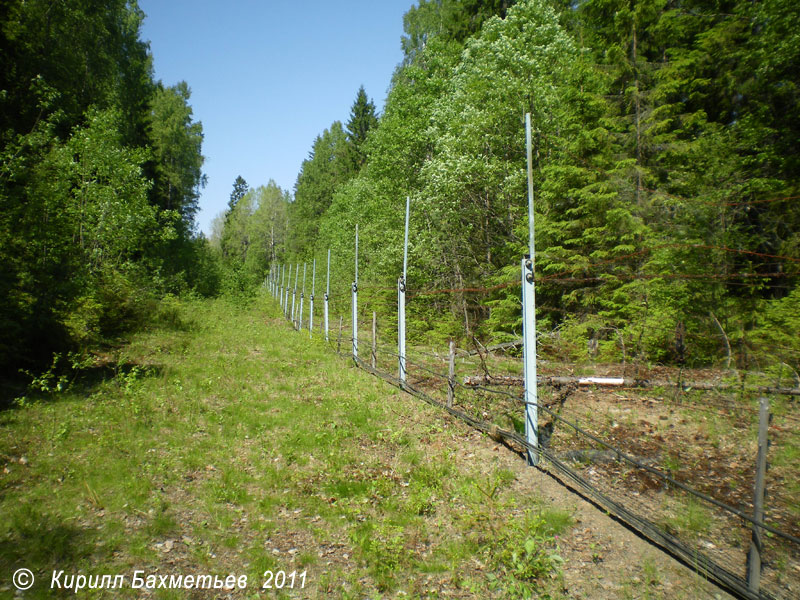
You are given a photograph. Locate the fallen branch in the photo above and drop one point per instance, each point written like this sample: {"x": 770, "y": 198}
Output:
{"x": 516, "y": 380}
{"x": 496, "y": 347}
{"x": 725, "y": 338}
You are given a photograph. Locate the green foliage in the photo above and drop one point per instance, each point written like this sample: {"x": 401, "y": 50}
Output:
{"x": 203, "y": 266}
{"x": 45, "y": 46}
{"x": 383, "y": 549}
{"x": 99, "y": 179}
{"x": 690, "y": 517}
{"x": 664, "y": 173}
{"x": 775, "y": 333}
{"x": 105, "y": 194}
{"x": 454, "y": 20}
{"x": 252, "y": 238}
{"x": 328, "y": 167}
{"x": 176, "y": 142}
{"x": 83, "y": 219}
{"x": 525, "y": 552}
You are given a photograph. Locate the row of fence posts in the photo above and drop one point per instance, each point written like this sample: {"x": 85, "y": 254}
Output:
{"x": 279, "y": 289}
{"x": 275, "y": 283}
{"x": 280, "y": 286}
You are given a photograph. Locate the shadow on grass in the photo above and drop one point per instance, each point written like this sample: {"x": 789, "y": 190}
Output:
{"x": 120, "y": 372}
{"x": 41, "y": 543}
{"x": 84, "y": 381}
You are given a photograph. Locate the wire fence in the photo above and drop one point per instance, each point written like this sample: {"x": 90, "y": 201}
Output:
{"x": 680, "y": 455}
{"x": 675, "y": 463}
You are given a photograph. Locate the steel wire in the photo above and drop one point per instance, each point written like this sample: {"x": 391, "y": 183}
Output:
{"x": 630, "y": 460}
{"x": 721, "y": 575}
{"x": 691, "y": 556}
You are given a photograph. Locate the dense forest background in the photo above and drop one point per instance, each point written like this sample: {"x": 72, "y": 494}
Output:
{"x": 100, "y": 172}
{"x": 666, "y": 180}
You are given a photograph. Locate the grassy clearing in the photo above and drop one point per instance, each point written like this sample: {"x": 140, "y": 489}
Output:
{"x": 221, "y": 442}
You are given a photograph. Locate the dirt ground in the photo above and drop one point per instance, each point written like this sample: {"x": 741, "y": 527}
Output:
{"x": 604, "y": 559}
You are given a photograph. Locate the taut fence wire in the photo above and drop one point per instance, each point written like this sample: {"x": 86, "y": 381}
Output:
{"x": 620, "y": 463}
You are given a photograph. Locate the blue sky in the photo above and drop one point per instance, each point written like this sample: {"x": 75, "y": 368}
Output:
{"x": 268, "y": 76}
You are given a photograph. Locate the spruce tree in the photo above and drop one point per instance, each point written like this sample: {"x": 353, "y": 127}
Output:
{"x": 328, "y": 167}
{"x": 362, "y": 119}
{"x": 240, "y": 188}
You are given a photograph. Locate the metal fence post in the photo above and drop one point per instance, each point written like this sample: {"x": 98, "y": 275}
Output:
{"x": 311, "y": 304}
{"x": 401, "y": 330}
{"x": 280, "y": 288}
{"x": 286, "y": 301}
{"x": 757, "y": 540}
{"x": 294, "y": 292}
{"x": 529, "y": 358}
{"x": 529, "y": 317}
{"x": 355, "y": 304}
{"x": 327, "y": 294}
{"x": 302, "y": 298}
{"x": 451, "y": 374}
{"x": 401, "y": 306}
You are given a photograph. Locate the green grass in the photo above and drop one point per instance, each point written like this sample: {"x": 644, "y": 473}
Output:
{"x": 222, "y": 442}
{"x": 690, "y": 517}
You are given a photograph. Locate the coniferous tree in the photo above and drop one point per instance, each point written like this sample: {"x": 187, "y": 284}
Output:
{"x": 362, "y": 120}
{"x": 328, "y": 167}
{"x": 240, "y": 188}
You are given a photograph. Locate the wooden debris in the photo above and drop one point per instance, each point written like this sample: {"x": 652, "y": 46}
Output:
{"x": 516, "y": 380}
